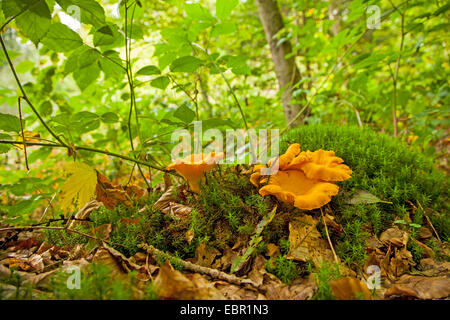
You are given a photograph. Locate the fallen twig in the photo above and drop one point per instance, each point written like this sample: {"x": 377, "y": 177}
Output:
{"x": 336, "y": 259}
{"x": 429, "y": 222}
{"x": 213, "y": 273}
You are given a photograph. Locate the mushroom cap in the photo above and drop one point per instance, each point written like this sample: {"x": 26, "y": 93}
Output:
{"x": 293, "y": 186}
{"x": 324, "y": 165}
{"x": 194, "y": 166}
{"x": 303, "y": 178}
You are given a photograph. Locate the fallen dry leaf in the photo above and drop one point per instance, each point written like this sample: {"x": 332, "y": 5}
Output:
{"x": 111, "y": 195}
{"x": 350, "y": 289}
{"x": 190, "y": 235}
{"x": 272, "y": 250}
{"x": 306, "y": 242}
{"x": 394, "y": 236}
{"x": 205, "y": 255}
{"x": 172, "y": 284}
{"x": 167, "y": 204}
{"x": 134, "y": 191}
{"x": 420, "y": 287}
{"x": 85, "y": 212}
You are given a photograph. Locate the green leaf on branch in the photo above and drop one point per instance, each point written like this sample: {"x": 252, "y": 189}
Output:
{"x": 61, "y": 38}
{"x": 223, "y": 28}
{"x": 224, "y": 8}
{"x": 84, "y": 77}
{"x": 35, "y": 21}
{"x": 104, "y": 36}
{"x": 110, "y": 117}
{"x": 184, "y": 114}
{"x": 5, "y": 147}
{"x": 196, "y": 11}
{"x": 186, "y": 64}
{"x": 111, "y": 64}
{"x": 46, "y": 108}
{"x": 9, "y": 122}
{"x": 85, "y": 121}
{"x": 90, "y": 11}
{"x": 148, "y": 71}
{"x": 160, "y": 82}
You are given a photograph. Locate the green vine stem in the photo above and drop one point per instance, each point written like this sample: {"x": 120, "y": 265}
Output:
{"x": 55, "y": 145}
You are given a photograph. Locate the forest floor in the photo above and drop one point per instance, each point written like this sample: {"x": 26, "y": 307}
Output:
{"x": 37, "y": 262}
{"x": 228, "y": 242}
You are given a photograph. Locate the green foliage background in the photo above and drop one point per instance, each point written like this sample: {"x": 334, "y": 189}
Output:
{"x": 205, "y": 60}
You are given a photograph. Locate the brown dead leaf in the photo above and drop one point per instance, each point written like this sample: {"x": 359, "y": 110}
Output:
{"x": 37, "y": 262}
{"x": 134, "y": 191}
{"x": 430, "y": 267}
{"x": 172, "y": 284}
{"x": 272, "y": 250}
{"x": 167, "y": 181}
{"x": 190, "y": 235}
{"x": 167, "y": 204}
{"x": 401, "y": 262}
{"x": 127, "y": 221}
{"x": 126, "y": 263}
{"x": 205, "y": 255}
{"x": 372, "y": 243}
{"x": 233, "y": 292}
{"x": 111, "y": 195}
{"x": 332, "y": 225}
{"x": 350, "y": 289}
{"x": 395, "y": 237}
{"x": 103, "y": 231}
{"x": 85, "y": 212}
{"x": 420, "y": 287}
{"x": 21, "y": 264}
{"x": 103, "y": 256}
{"x": 425, "y": 233}
{"x": 27, "y": 244}
{"x": 226, "y": 260}
{"x": 306, "y": 242}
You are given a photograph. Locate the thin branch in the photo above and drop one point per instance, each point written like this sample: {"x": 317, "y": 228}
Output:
{"x": 131, "y": 86}
{"x": 336, "y": 259}
{"x": 18, "y": 14}
{"x": 23, "y": 135}
{"x": 73, "y": 147}
{"x": 213, "y": 273}
{"x": 25, "y": 97}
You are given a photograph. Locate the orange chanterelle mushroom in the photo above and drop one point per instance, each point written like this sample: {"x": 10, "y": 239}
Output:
{"x": 194, "y": 166}
{"x": 303, "y": 178}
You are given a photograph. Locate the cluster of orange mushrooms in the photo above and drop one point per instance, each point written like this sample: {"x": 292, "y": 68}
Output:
{"x": 304, "y": 179}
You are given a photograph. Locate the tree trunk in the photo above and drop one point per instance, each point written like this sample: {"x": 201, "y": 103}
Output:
{"x": 285, "y": 69}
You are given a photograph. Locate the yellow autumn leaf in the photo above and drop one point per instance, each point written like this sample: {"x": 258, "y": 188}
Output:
{"x": 79, "y": 187}
{"x": 29, "y": 137}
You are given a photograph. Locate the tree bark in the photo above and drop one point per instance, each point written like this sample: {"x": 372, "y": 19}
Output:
{"x": 285, "y": 69}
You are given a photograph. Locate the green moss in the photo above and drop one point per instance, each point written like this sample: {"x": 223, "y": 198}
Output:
{"x": 227, "y": 208}
{"x": 286, "y": 270}
{"x": 96, "y": 283}
{"x": 323, "y": 276}
{"x": 382, "y": 165}
{"x": 415, "y": 250}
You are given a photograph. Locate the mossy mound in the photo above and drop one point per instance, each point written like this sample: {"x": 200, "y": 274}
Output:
{"x": 382, "y": 165}
{"x": 229, "y": 207}
{"x": 385, "y": 167}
